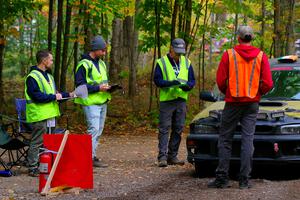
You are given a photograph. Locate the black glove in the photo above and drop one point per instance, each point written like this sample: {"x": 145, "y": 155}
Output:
{"x": 185, "y": 87}
{"x": 114, "y": 88}
{"x": 175, "y": 82}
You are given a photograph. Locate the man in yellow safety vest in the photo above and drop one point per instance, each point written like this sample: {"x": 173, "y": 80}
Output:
{"x": 174, "y": 76}
{"x": 92, "y": 72}
{"x": 41, "y": 104}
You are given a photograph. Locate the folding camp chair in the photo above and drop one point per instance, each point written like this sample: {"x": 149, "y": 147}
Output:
{"x": 3, "y": 139}
{"x": 23, "y": 127}
{"x": 14, "y": 146}
{"x": 15, "y": 137}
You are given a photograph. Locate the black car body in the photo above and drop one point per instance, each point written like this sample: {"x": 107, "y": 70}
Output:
{"x": 277, "y": 135}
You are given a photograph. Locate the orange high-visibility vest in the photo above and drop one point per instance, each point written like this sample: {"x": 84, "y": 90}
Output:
{"x": 244, "y": 75}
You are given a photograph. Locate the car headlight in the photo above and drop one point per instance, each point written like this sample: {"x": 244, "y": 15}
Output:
{"x": 201, "y": 128}
{"x": 290, "y": 129}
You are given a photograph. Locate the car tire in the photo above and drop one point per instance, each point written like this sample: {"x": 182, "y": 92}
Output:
{"x": 204, "y": 169}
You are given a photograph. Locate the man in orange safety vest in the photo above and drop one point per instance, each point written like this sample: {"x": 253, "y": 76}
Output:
{"x": 243, "y": 76}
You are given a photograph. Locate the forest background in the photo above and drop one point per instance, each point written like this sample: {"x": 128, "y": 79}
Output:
{"x": 138, "y": 32}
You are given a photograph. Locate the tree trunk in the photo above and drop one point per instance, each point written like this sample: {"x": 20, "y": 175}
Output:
{"x": 31, "y": 44}
{"x": 64, "y": 66}
{"x": 277, "y": 32}
{"x": 180, "y": 20}
{"x": 157, "y": 45}
{"x": 151, "y": 79}
{"x": 203, "y": 46}
{"x": 263, "y": 24}
{"x": 158, "y": 11}
{"x": 76, "y": 44}
{"x": 37, "y": 36}
{"x": 133, "y": 57}
{"x": 174, "y": 17}
{"x": 157, "y": 14}
{"x": 195, "y": 27}
{"x": 212, "y": 21}
{"x": 236, "y": 23}
{"x": 2, "y": 46}
{"x": 87, "y": 31}
{"x": 132, "y": 71}
{"x": 116, "y": 49}
{"x": 201, "y": 56}
{"x": 75, "y": 56}
{"x": 58, "y": 42}
{"x": 50, "y": 16}
{"x": 289, "y": 49}
{"x": 21, "y": 48}
{"x": 105, "y": 26}
{"x": 125, "y": 42}
{"x": 194, "y": 33}
{"x": 188, "y": 19}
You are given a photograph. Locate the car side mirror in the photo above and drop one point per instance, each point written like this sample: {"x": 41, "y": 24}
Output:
{"x": 207, "y": 96}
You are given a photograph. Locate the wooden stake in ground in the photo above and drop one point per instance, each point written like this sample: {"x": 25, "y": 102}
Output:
{"x": 56, "y": 161}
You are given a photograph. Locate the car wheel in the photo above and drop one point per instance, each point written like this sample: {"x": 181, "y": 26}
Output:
{"x": 204, "y": 169}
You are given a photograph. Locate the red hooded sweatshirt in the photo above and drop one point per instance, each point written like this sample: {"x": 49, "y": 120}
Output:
{"x": 248, "y": 53}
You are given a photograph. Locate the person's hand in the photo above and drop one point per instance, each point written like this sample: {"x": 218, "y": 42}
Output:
{"x": 175, "y": 82}
{"x": 72, "y": 94}
{"x": 185, "y": 87}
{"x": 103, "y": 87}
{"x": 58, "y": 96}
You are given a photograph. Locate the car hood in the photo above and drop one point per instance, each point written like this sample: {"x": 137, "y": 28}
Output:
{"x": 291, "y": 108}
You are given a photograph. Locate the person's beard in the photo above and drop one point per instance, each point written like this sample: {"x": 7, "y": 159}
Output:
{"x": 49, "y": 70}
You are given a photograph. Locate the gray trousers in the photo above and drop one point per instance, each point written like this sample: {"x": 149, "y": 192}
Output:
{"x": 232, "y": 114}
{"x": 171, "y": 115}
{"x": 36, "y": 142}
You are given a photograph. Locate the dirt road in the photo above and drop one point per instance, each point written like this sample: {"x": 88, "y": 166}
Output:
{"x": 133, "y": 174}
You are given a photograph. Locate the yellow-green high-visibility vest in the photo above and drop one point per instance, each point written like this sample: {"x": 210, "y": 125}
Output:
{"x": 40, "y": 111}
{"x": 174, "y": 92}
{"x": 94, "y": 77}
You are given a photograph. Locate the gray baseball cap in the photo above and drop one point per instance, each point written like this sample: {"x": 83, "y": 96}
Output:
{"x": 243, "y": 31}
{"x": 178, "y": 45}
{"x": 98, "y": 43}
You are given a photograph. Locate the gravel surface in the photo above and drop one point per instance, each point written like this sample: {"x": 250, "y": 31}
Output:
{"x": 133, "y": 174}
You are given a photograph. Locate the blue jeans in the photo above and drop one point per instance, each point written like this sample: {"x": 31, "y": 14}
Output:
{"x": 95, "y": 117}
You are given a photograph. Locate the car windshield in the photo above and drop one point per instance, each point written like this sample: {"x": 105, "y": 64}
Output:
{"x": 286, "y": 85}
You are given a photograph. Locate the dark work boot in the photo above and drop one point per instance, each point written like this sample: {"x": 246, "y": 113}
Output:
{"x": 221, "y": 181}
{"x": 175, "y": 161}
{"x": 98, "y": 163}
{"x": 162, "y": 163}
{"x": 244, "y": 183}
{"x": 34, "y": 172}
